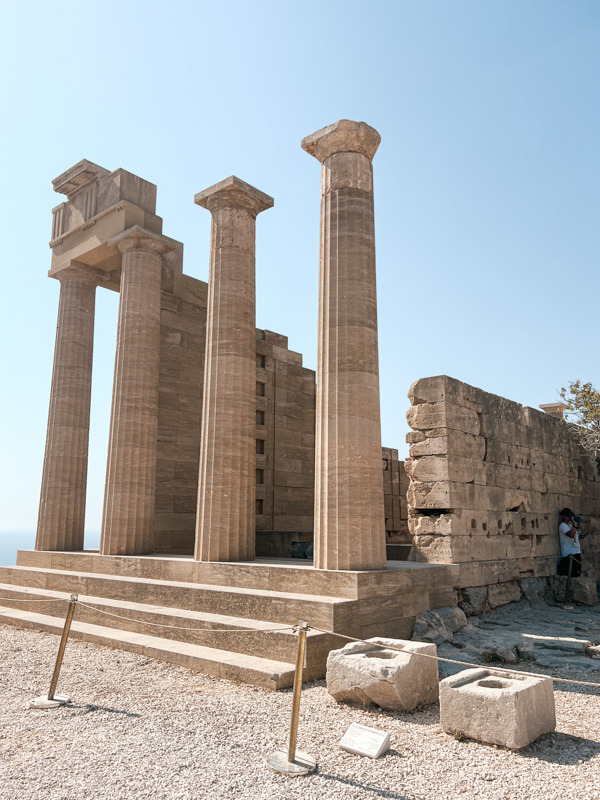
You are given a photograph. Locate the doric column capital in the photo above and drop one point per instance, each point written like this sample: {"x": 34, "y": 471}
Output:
{"x": 234, "y": 193}
{"x": 75, "y": 270}
{"x": 344, "y": 136}
{"x": 138, "y": 238}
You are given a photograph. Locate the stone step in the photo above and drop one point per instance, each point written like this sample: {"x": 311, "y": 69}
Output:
{"x": 224, "y": 664}
{"x": 281, "y": 607}
{"x": 401, "y": 578}
{"x": 236, "y": 634}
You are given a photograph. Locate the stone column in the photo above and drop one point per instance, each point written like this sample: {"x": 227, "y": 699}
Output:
{"x": 64, "y": 481}
{"x": 349, "y": 511}
{"x": 225, "y": 523}
{"x": 128, "y": 518}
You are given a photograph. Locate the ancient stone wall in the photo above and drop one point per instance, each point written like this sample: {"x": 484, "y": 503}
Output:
{"x": 395, "y": 487}
{"x": 182, "y": 341}
{"x": 487, "y": 479}
{"x": 285, "y": 437}
{"x": 285, "y": 423}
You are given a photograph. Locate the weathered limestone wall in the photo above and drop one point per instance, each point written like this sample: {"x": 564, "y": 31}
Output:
{"x": 395, "y": 488}
{"x": 487, "y": 479}
{"x": 285, "y": 437}
{"x": 181, "y": 380}
{"x": 285, "y": 429}
{"x": 285, "y": 423}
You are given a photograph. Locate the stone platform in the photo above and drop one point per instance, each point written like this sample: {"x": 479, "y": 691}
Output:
{"x": 236, "y": 601}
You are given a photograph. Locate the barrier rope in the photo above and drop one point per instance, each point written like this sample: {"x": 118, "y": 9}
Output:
{"x": 455, "y": 661}
{"x": 35, "y": 600}
{"x": 154, "y": 624}
{"x": 314, "y": 628}
{"x": 185, "y": 627}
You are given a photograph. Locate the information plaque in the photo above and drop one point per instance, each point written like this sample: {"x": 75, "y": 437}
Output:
{"x": 365, "y": 741}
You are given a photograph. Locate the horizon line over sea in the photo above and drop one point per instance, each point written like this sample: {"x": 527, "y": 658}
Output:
{"x": 12, "y": 541}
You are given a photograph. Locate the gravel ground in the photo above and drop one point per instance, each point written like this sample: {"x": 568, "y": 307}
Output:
{"x": 139, "y": 728}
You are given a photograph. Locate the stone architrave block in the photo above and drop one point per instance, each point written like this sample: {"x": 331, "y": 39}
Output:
{"x": 511, "y": 710}
{"x": 368, "y": 674}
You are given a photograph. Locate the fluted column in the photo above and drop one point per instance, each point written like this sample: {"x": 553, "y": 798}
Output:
{"x": 349, "y": 510}
{"x": 64, "y": 481}
{"x": 225, "y": 524}
{"x": 128, "y": 518}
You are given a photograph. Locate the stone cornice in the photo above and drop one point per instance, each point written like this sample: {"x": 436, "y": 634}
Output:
{"x": 74, "y": 179}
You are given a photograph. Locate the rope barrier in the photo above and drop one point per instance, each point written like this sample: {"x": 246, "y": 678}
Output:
{"x": 185, "y": 627}
{"x": 310, "y": 627}
{"x": 455, "y": 661}
{"x": 35, "y": 600}
{"x": 154, "y": 624}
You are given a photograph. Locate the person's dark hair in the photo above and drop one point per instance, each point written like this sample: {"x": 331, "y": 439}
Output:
{"x": 566, "y": 512}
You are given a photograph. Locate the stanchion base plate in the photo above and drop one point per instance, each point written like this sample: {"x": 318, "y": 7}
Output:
{"x": 303, "y": 764}
{"x": 44, "y": 702}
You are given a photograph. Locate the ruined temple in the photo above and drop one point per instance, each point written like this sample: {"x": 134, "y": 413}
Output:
{"x": 230, "y": 464}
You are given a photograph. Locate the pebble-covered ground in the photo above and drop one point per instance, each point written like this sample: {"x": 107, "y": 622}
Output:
{"x": 137, "y": 728}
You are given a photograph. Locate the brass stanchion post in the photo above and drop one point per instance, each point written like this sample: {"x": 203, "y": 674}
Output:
{"x": 293, "y": 762}
{"x": 52, "y": 700}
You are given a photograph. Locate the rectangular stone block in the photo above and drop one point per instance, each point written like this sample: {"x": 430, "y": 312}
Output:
{"x": 455, "y": 468}
{"x": 501, "y": 594}
{"x": 468, "y": 445}
{"x": 443, "y": 415}
{"x": 510, "y": 710}
{"x": 371, "y": 674}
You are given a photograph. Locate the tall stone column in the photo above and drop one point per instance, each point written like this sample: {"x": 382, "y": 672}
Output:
{"x": 349, "y": 511}
{"x": 64, "y": 481}
{"x": 128, "y": 518}
{"x": 225, "y": 523}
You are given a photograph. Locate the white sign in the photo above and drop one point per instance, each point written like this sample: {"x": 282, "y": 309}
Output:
{"x": 363, "y": 741}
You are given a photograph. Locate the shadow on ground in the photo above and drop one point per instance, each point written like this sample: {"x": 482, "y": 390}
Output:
{"x": 562, "y": 748}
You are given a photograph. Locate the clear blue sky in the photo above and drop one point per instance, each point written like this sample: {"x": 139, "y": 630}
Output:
{"x": 487, "y": 180}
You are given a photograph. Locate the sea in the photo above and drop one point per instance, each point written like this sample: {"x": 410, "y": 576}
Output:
{"x": 12, "y": 541}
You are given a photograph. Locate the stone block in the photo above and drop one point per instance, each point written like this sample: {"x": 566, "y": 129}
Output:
{"x": 443, "y": 415}
{"x": 445, "y": 468}
{"x": 502, "y": 593}
{"x": 510, "y": 710}
{"x": 582, "y": 590}
{"x": 467, "y": 445}
{"x": 368, "y": 674}
{"x": 440, "y": 625}
{"x": 474, "y": 600}
{"x": 492, "y": 548}
{"x": 534, "y": 590}
{"x": 441, "y": 549}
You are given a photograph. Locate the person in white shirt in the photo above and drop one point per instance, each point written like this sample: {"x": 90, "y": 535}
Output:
{"x": 570, "y": 547}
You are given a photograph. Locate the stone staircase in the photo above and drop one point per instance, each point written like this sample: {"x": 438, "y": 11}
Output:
{"x": 136, "y": 604}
